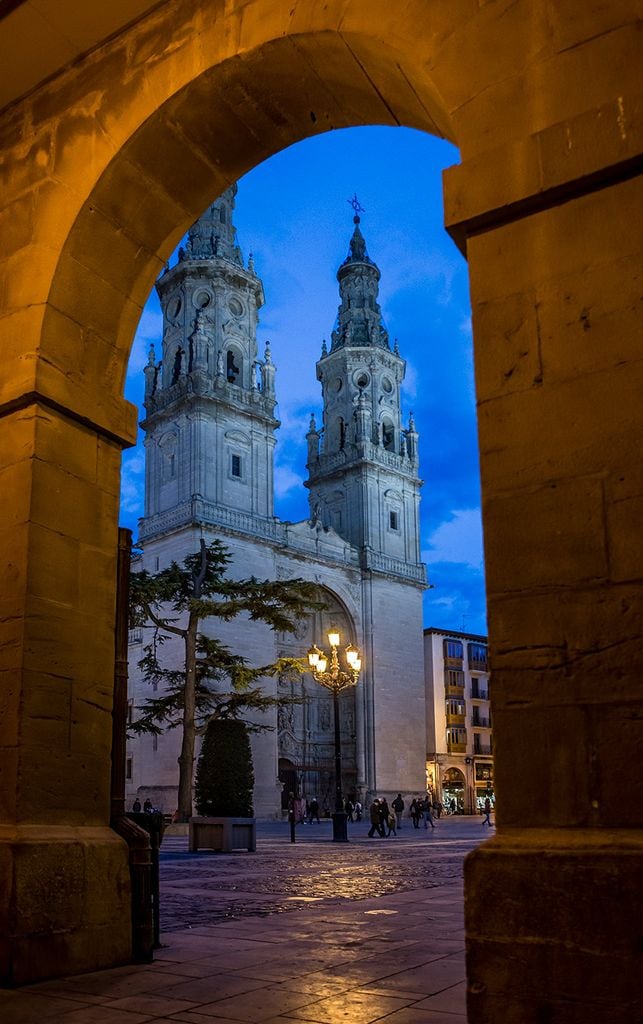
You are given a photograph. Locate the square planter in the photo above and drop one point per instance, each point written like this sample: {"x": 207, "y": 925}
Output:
{"x": 223, "y": 834}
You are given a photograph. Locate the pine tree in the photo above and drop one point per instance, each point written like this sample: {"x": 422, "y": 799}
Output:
{"x": 176, "y": 601}
{"x": 224, "y": 775}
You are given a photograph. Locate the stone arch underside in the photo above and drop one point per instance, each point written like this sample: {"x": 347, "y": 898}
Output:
{"x": 104, "y": 168}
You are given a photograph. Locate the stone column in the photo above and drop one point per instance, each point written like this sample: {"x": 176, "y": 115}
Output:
{"x": 64, "y": 879}
{"x": 553, "y": 901}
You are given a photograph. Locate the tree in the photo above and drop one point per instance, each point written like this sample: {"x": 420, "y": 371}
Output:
{"x": 224, "y": 775}
{"x": 176, "y": 601}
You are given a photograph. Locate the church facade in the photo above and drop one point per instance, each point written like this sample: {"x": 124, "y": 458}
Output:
{"x": 210, "y": 428}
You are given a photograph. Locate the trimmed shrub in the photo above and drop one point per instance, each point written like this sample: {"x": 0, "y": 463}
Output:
{"x": 224, "y": 774}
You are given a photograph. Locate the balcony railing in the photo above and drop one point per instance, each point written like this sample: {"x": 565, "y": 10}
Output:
{"x": 483, "y": 723}
{"x": 453, "y": 662}
{"x": 482, "y": 748}
{"x": 454, "y": 719}
{"x": 456, "y": 748}
{"x": 453, "y": 690}
{"x": 479, "y": 664}
{"x": 478, "y": 694}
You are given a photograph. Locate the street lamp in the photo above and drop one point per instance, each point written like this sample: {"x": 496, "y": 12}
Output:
{"x": 326, "y": 670}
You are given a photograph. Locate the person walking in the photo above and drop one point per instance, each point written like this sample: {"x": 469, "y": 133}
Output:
{"x": 416, "y": 812}
{"x": 148, "y": 806}
{"x": 313, "y": 811}
{"x": 391, "y": 822}
{"x": 358, "y": 811}
{"x": 487, "y": 813}
{"x": 398, "y": 807}
{"x": 374, "y": 813}
{"x": 428, "y": 812}
{"x": 349, "y": 807}
{"x": 136, "y": 806}
{"x": 384, "y": 813}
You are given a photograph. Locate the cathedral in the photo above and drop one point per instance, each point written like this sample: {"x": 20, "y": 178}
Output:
{"x": 210, "y": 434}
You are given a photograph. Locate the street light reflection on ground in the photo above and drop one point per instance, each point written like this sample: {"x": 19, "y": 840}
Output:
{"x": 327, "y": 671}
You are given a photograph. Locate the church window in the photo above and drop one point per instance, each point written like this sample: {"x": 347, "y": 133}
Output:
{"x": 128, "y": 768}
{"x": 388, "y": 435}
{"x": 342, "y": 433}
{"x": 394, "y": 520}
{"x": 233, "y": 371}
{"x": 362, "y": 379}
{"x": 235, "y": 465}
{"x": 155, "y": 742}
{"x": 178, "y": 361}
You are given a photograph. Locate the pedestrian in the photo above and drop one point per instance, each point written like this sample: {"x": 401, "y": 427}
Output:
{"x": 487, "y": 813}
{"x": 313, "y": 811}
{"x": 148, "y": 807}
{"x": 384, "y": 813}
{"x": 416, "y": 812}
{"x": 428, "y": 815}
{"x": 452, "y": 805}
{"x": 391, "y": 822}
{"x": 374, "y": 813}
{"x": 349, "y": 807}
{"x": 358, "y": 811}
{"x": 440, "y": 809}
{"x": 398, "y": 807}
{"x": 136, "y": 806}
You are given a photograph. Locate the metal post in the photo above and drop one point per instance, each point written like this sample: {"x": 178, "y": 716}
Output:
{"x": 340, "y": 830}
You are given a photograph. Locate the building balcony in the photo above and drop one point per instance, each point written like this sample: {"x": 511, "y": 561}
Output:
{"x": 456, "y": 748}
{"x": 453, "y": 662}
{"x": 480, "y": 722}
{"x": 482, "y": 748}
{"x": 452, "y": 690}
{"x": 453, "y": 719}
{"x": 479, "y": 664}
{"x": 478, "y": 694}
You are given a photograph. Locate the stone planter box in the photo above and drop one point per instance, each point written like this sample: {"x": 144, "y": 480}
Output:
{"x": 223, "y": 834}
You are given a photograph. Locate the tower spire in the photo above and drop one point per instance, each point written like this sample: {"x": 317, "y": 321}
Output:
{"x": 359, "y": 318}
{"x": 213, "y": 235}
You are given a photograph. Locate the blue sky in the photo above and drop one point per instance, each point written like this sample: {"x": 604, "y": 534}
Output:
{"x": 292, "y": 214}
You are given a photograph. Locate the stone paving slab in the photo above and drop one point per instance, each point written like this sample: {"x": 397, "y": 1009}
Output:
{"x": 311, "y": 933}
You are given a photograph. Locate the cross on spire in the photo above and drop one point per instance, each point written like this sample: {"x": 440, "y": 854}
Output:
{"x": 357, "y": 207}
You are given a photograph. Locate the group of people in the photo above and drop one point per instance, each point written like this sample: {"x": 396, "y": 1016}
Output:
{"x": 148, "y": 806}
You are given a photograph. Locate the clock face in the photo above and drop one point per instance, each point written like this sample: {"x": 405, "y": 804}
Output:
{"x": 386, "y": 385}
{"x": 174, "y": 307}
{"x": 235, "y": 306}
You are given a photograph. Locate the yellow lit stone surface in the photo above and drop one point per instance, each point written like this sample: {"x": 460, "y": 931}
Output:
{"x": 104, "y": 165}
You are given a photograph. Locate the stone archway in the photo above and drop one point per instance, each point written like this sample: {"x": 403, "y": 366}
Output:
{"x": 105, "y": 166}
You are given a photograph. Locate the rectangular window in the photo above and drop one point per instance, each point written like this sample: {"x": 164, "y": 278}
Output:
{"x": 235, "y": 467}
{"x": 128, "y": 768}
{"x": 155, "y": 742}
{"x": 394, "y": 520}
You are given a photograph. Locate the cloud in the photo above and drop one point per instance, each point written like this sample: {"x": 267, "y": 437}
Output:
{"x": 458, "y": 539}
{"x": 286, "y": 480}
{"x": 133, "y": 482}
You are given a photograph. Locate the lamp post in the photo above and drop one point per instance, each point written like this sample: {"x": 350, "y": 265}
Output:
{"x": 327, "y": 671}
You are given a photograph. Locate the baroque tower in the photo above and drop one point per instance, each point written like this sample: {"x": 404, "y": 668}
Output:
{"x": 209, "y": 401}
{"x": 363, "y": 464}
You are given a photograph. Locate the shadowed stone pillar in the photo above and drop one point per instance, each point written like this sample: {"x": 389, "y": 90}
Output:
{"x": 554, "y": 915}
{"x": 63, "y": 873}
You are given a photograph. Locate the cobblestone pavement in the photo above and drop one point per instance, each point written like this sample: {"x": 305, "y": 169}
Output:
{"x": 204, "y": 888}
{"x": 310, "y": 933}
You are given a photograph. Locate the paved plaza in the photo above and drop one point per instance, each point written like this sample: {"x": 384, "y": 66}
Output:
{"x": 315, "y": 933}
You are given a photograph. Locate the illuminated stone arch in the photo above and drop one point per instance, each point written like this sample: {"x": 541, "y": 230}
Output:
{"x": 105, "y": 168}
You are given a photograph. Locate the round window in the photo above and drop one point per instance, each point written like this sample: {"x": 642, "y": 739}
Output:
{"x": 235, "y": 307}
{"x": 386, "y": 385}
{"x": 174, "y": 307}
{"x": 202, "y": 299}
{"x": 362, "y": 379}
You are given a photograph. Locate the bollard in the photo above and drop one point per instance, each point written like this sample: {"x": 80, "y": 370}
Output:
{"x": 291, "y": 820}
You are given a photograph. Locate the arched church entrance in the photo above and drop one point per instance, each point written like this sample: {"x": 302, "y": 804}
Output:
{"x": 306, "y": 727}
{"x": 105, "y": 168}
